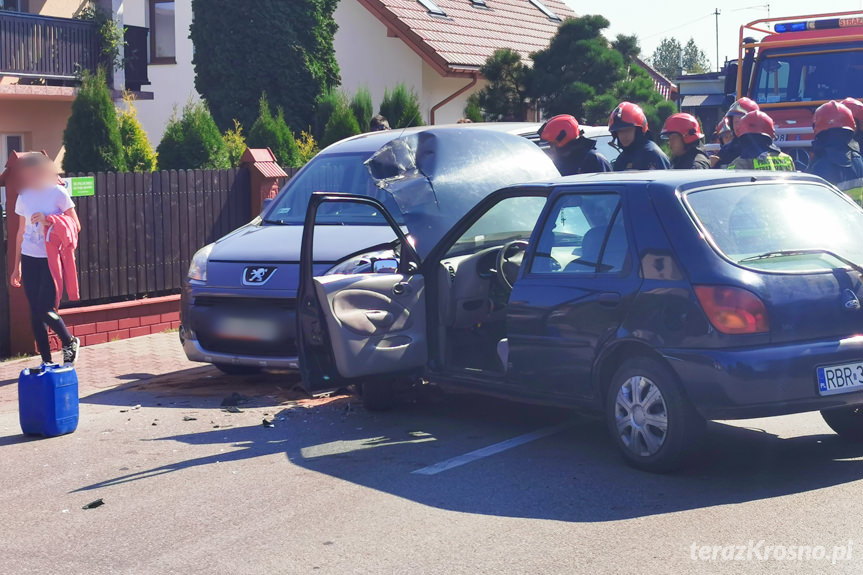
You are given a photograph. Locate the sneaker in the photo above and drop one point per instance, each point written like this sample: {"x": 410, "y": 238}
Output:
{"x": 70, "y": 352}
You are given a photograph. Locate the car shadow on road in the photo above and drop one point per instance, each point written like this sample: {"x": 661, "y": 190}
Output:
{"x": 573, "y": 476}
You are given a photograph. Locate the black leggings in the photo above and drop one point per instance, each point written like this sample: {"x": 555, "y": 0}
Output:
{"x": 39, "y": 287}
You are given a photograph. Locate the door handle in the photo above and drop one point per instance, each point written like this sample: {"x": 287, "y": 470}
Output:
{"x": 609, "y": 299}
{"x": 401, "y": 288}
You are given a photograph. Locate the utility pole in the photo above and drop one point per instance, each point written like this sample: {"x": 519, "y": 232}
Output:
{"x": 716, "y": 13}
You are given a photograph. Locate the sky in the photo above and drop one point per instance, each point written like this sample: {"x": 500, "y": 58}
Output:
{"x": 652, "y": 21}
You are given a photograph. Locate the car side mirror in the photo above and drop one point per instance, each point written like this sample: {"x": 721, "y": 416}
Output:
{"x": 387, "y": 266}
{"x": 266, "y": 204}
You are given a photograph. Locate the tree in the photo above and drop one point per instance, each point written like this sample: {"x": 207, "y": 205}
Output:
{"x": 401, "y": 107}
{"x": 342, "y": 124}
{"x": 245, "y": 48}
{"x": 272, "y": 132}
{"x": 307, "y": 148}
{"x": 629, "y": 48}
{"x": 137, "y": 151}
{"x": 666, "y": 58}
{"x": 324, "y": 108}
{"x": 694, "y": 59}
{"x": 92, "y": 135}
{"x": 235, "y": 144}
{"x": 363, "y": 109}
{"x": 505, "y": 95}
{"x": 192, "y": 141}
{"x": 578, "y": 65}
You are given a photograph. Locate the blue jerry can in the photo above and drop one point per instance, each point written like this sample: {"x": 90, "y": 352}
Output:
{"x": 48, "y": 400}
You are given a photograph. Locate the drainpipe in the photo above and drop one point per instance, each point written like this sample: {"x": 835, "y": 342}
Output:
{"x": 453, "y": 96}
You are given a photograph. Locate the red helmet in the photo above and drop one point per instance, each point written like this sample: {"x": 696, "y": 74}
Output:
{"x": 833, "y": 115}
{"x": 756, "y": 123}
{"x": 741, "y": 107}
{"x": 856, "y": 107}
{"x": 723, "y": 127}
{"x": 684, "y": 124}
{"x": 560, "y": 130}
{"x": 627, "y": 115}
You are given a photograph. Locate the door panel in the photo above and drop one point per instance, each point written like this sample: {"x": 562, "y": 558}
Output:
{"x": 377, "y": 322}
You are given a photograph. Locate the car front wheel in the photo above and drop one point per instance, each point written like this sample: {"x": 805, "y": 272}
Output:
{"x": 653, "y": 424}
{"x": 847, "y": 422}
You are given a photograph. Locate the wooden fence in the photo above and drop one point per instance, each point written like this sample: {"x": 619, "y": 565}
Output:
{"x": 141, "y": 230}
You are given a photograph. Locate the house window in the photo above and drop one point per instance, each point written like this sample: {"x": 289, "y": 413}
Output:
{"x": 432, "y": 8}
{"x": 546, "y": 10}
{"x": 14, "y": 5}
{"x": 8, "y": 143}
{"x": 163, "y": 37}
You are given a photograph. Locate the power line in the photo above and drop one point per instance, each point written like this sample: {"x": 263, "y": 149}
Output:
{"x": 706, "y": 16}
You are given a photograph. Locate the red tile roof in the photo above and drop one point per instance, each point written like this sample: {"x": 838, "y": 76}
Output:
{"x": 460, "y": 42}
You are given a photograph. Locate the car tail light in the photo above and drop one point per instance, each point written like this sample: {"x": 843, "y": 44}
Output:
{"x": 733, "y": 310}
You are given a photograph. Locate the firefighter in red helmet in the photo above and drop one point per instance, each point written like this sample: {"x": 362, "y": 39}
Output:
{"x": 628, "y": 125}
{"x": 755, "y": 133}
{"x": 684, "y": 135}
{"x": 570, "y": 151}
{"x": 725, "y": 135}
{"x": 730, "y": 150}
{"x": 856, "y": 107}
{"x": 835, "y": 160}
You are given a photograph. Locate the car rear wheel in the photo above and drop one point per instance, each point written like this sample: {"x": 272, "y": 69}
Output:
{"x": 847, "y": 422}
{"x": 652, "y": 423}
{"x": 229, "y": 369}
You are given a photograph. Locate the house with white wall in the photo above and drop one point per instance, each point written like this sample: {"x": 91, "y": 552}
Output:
{"x": 434, "y": 47}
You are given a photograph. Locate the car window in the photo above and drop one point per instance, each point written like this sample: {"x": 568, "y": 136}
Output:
{"x": 346, "y": 173}
{"x": 788, "y": 227}
{"x": 807, "y": 77}
{"x": 604, "y": 147}
{"x": 510, "y": 219}
{"x": 584, "y": 234}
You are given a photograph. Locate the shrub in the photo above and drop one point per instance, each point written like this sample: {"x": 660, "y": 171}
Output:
{"x": 307, "y": 148}
{"x": 362, "y": 108}
{"x": 273, "y": 133}
{"x": 401, "y": 107}
{"x": 92, "y": 135}
{"x": 342, "y": 125}
{"x": 473, "y": 111}
{"x": 235, "y": 144}
{"x": 192, "y": 141}
{"x": 137, "y": 151}
{"x": 324, "y": 108}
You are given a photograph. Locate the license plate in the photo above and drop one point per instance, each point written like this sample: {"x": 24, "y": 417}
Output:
{"x": 249, "y": 329}
{"x": 843, "y": 378}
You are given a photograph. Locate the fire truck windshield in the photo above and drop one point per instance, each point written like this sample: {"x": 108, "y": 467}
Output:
{"x": 792, "y": 75}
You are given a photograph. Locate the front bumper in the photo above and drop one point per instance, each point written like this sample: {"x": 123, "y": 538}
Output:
{"x": 195, "y": 352}
{"x": 763, "y": 382}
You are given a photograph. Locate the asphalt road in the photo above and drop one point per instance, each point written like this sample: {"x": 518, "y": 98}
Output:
{"x": 454, "y": 484}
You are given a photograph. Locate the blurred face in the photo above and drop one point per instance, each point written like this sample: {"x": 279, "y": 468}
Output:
{"x": 726, "y": 138}
{"x": 40, "y": 176}
{"x": 626, "y": 136}
{"x": 676, "y": 144}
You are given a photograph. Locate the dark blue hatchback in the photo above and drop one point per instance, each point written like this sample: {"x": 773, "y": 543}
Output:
{"x": 659, "y": 299}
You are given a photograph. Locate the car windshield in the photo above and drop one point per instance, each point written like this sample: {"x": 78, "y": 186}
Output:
{"x": 345, "y": 173}
{"x": 802, "y": 77}
{"x": 782, "y": 227}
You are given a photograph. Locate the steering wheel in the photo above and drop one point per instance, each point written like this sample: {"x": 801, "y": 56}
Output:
{"x": 509, "y": 260}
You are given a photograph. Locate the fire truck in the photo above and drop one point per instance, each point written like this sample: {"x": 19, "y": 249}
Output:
{"x": 790, "y": 66}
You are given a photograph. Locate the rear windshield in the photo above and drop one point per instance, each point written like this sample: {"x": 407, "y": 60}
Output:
{"x": 346, "y": 173}
{"x": 782, "y": 227}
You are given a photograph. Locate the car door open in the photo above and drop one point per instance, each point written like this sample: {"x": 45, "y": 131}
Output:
{"x": 356, "y": 325}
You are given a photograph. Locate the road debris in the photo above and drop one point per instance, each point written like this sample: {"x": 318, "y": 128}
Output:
{"x": 232, "y": 409}
{"x": 267, "y": 423}
{"x": 235, "y": 399}
{"x": 94, "y": 504}
{"x": 190, "y": 418}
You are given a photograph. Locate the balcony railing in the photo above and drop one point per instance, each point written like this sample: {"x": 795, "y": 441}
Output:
{"x": 50, "y": 48}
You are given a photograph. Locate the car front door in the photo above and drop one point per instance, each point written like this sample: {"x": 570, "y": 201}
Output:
{"x": 352, "y": 326}
{"x": 573, "y": 292}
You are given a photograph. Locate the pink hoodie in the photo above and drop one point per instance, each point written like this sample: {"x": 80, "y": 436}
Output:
{"x": 61, "y": 241}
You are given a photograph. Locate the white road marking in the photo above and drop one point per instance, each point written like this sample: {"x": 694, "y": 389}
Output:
{"x": 460, "y": 460}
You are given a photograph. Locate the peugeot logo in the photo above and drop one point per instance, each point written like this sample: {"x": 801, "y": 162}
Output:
{"x": 852, "y": 303}
{"x": 257, "y": 275}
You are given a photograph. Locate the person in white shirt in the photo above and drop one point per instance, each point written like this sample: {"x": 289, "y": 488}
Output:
{"x": 41, "y": 197}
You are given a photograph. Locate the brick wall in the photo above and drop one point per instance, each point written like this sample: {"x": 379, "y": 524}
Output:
{"x": 111, "y": 322}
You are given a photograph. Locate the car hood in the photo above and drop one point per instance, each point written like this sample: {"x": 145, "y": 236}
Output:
{"x": 281, "y": 243}
{"x": 436, "y": 177}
